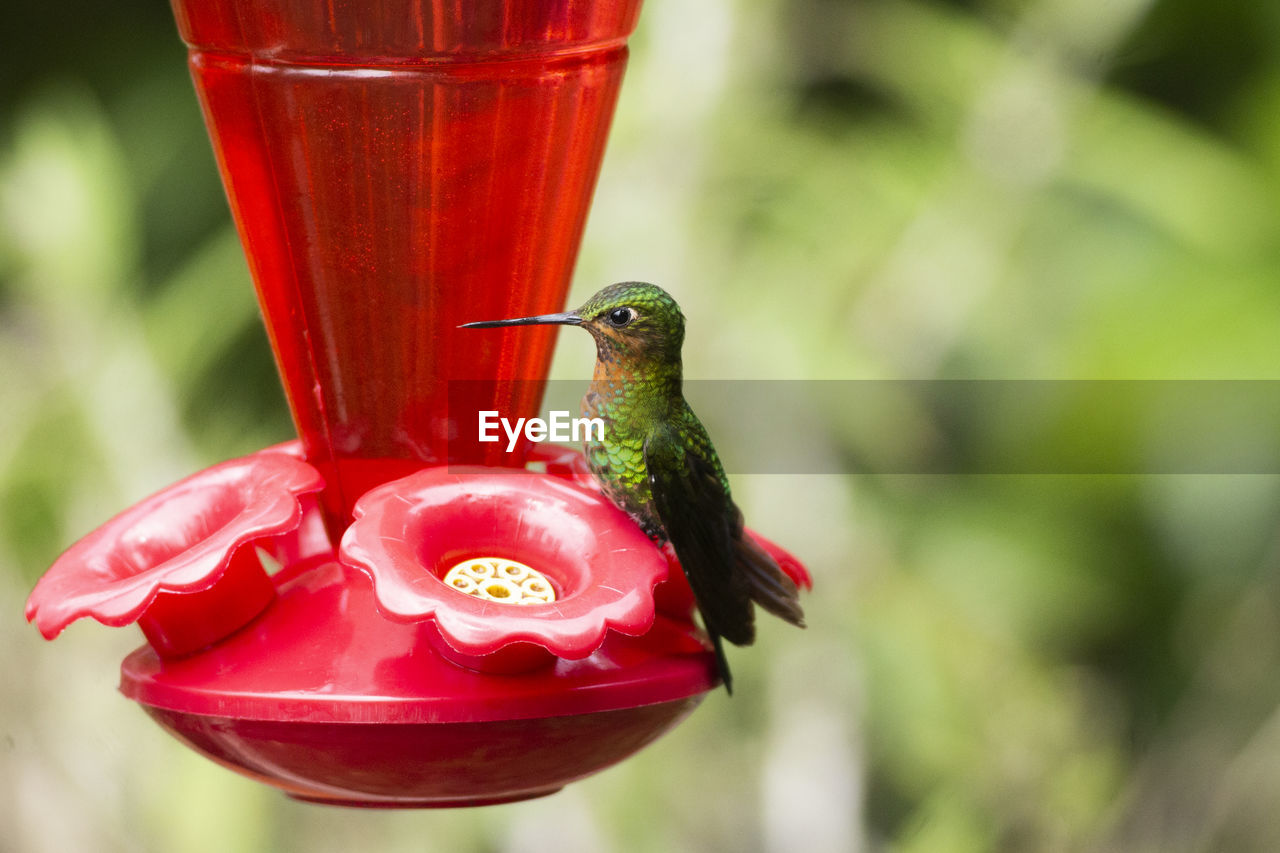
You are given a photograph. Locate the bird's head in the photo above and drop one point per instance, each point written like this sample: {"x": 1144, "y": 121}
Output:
{"x": 632, "y": 321}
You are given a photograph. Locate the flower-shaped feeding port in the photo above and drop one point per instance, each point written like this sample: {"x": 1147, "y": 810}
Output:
{"x": 429, "y": 541}
{"x": 185, "y": 563}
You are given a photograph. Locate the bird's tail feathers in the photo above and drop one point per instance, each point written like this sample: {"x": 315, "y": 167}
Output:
{"x": 722, "y": 663}
{"x": 769, "y": 585}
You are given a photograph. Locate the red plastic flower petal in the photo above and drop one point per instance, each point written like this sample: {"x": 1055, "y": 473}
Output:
{"x": 183, "y": 539}
{"x": 409, "y": 533}
{"x": 786, "y": 561}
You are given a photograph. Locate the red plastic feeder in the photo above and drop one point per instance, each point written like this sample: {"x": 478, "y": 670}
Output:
{"x": 185, "y": 563}
{"x": 484, "y": 633}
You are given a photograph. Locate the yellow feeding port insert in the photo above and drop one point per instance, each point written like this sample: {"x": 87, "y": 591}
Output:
{"x": 503, "y": 581}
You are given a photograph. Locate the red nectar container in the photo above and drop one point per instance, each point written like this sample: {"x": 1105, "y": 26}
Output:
{"x": 397, "y": 169}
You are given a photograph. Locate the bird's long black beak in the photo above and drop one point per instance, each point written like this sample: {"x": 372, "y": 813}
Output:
{"x": 568, "y": 318}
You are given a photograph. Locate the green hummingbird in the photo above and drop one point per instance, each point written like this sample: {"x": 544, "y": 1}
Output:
{"x": 656, "y": 462}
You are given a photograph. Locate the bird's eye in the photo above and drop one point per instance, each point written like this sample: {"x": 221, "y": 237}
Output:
{"x": 620, "y": 317}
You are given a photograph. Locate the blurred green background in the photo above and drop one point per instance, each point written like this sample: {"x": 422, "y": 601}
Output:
{"x": 854, "y": 189}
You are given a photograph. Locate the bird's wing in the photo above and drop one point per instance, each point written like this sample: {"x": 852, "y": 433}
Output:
{"x": 698, "y": 515}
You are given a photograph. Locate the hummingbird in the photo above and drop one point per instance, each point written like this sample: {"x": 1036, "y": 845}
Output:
{"x": 656, "y": 462}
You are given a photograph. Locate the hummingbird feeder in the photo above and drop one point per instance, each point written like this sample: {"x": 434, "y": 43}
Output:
{"x": 387, "y": 612}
